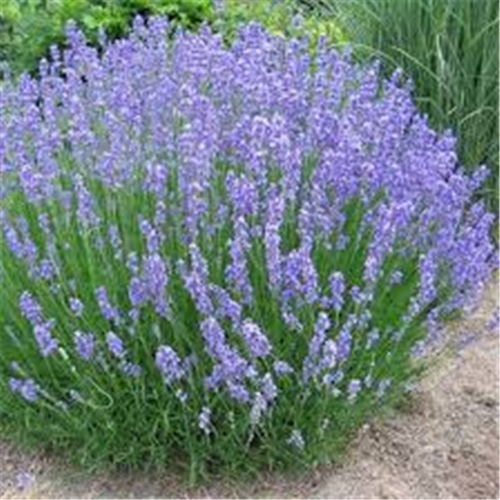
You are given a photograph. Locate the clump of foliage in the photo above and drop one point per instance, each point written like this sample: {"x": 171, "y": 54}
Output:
{"x": 449, "y": 48}
{"x": 28, "y": 28}
{"x": 224, "y": 255}
{"x": 281, "y": 18}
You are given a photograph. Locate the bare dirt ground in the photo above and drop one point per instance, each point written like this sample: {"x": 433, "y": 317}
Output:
{"x": 446, "y": 445}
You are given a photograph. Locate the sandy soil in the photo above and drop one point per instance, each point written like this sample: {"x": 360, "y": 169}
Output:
{"x": 445, "y": 445}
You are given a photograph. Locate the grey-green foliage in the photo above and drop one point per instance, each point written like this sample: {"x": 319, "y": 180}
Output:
{"x": 449, "y": 48}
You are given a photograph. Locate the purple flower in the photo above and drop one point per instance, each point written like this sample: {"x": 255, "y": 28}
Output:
{"x": 243, "y": 193}
{"x": 86, "y": 211}
{"x": 256, "y": 341}
{"x": 226, "y": 306}
{"x": 353, "y": 390}
{"x": 85, "y": 344}
{"x": 76, "y": 306}
{"x": 137, "y": 292}
{"x": 323, "y": 352}
{"x": 155, "y": 281}
{"x": 330, "y": 355}
{"x": 282, "y": 368}
{"x": 109, "y": 312}
{"x": 47, "y": 344}
{"x": 337, "y": 289}
{"x": 115, "y": 345}
{"x": 130, "y": 369}
{"x": 46, "y": 270}
{"x": 132, "y": 263}
{"x": 215, "y": 339}
{"x": 320, "y": 330}
{"x": 26, "y": 388}
{"x": 30, "y": 308}
{"x": 196, "y": 281}
{"x": 156, "y": 179}
{"x": 428, "y": 274}
{"x": 358, "y": 297}
{"x": 238, "y": 392}
{"x": 230, "y": 368}
{"x": 300, "y": 278}
{"x": 269, "y": 388}
{"x": 237, "y": 271}
{"x": 272, "y": 238}
{"x": 344, "y": 339}
{"x": 170, "y": 364}
{"x": 15, "y": 384}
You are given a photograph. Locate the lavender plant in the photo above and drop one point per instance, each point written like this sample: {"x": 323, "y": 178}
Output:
{"x": 221, "y": 256}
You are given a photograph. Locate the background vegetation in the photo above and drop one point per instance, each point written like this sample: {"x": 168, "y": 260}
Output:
{"x": 29, "y": 27}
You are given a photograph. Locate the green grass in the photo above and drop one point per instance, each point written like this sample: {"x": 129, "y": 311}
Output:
{"x": 449, "y": 48}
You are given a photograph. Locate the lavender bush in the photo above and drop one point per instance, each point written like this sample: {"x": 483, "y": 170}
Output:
{"x": 221, "y": 256}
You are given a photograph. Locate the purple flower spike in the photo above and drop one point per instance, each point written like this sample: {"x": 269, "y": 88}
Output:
{"x": 115, "y": 345}
{"x": 109, "y": 312}
{"x": 353, "y": 390}
{"x": 47, "y": 344}
{"x": 256, "y": 341}
{"x": 85, "y": 344}
{"x": 30, "y": 308}
{"x": 130, "y": 369}
{"x": 76, "y": 306}
{"x": 170, "y": 364}
{"x": 337, "y": 289}
{"x": 282, "y": 368}
{"x": 27, "y": 388}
